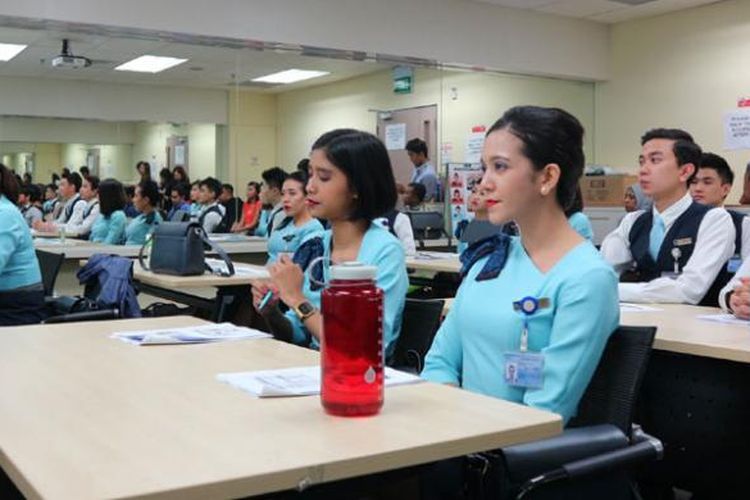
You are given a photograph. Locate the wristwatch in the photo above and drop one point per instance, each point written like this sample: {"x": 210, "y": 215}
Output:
{"x": 304, "y": 310}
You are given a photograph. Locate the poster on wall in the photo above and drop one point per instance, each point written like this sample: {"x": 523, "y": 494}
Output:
{"x": 462, "y": 177}
{"x": 737, "y": 129}
{"x": 395, "y": 136}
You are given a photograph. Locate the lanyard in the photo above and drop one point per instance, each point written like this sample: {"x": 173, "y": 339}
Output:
{"x": 528, "y": 306}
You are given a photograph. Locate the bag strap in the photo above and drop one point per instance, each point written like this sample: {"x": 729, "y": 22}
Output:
{"x": 141, "y": 260}
{"x": 219, "y": 251}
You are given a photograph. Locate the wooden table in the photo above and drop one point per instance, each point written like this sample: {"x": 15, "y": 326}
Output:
{"x": 228, "y": 292}
{"x": 449, "y": 264}
{"x": 86, "y": 416}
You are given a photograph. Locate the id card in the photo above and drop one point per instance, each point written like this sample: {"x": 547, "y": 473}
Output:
{"x": 734, "y": 264}
{"x": 524, "y": 369}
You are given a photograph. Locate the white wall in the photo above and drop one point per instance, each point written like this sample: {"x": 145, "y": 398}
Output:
{"x": 113, "y": 102}
{"x": 452, "y": 31}
{"x": 151, "y": 142}
{"x": 680, "y": 70}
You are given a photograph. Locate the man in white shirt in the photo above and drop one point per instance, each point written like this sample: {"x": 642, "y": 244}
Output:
{"x": 90, "y": 194}
{"x": 679, "y": 247}
{"x": 424, "y": 173}
{"x": 710, "y": 186}
{"x": 74, "y": 207}
{"x": 399, "y": 225}
{"x": 213, "y": 211}
{"x": 270, "y": 196}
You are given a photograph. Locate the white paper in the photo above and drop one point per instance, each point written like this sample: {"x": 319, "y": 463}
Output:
{"x": 179, "y": 155}
{"x": 474, "y": 143}
{"x": 298, "y": 381}
{"x": 395, "y": 136}
{"x": 626, "y": 307}
{"x": 435, "y": 256}
{"x": 729, "y": 319}
{"x": 190, "y": 334}
{"x": 737, "y": 129}
{"x": 218, "y": 266}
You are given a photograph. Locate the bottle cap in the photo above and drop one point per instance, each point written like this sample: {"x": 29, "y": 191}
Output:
{"x": 353, "y": 271}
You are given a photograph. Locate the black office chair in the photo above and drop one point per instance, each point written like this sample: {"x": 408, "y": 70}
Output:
{"x": 592, "y": 457}
{"x": 420, "y": 322}
{"x": 49, "y": 265}
{"x": 427, "y": 226}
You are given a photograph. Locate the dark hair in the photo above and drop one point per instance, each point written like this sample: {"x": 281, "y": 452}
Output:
{"x": 146, "y": 169}
{"x": 303, "y": 165}
{"x": 577, "y": 204}
{"x": 417, "y": 146}
{"x": 84, "y": 171}
{"x": 33, "y": 192}
{"x": 179, "y": 169}
{"x": 65, "y": 171}
{"x": 93, "y": 181}
{"x": 212, "y": 185}
{"x": 684, "y": 148}
{"x": 549, "y": 135}
{"x": 55, "y": 178}
{"x": 52, "y": 187}
{"x": 8, "y": 184}
{"x": 196, "y": 182}
{"x": 183, "y": 190}
{"x": 165, "y": 175}
{"x": 130, "y": 191}
{"x": 27, "y": 178}
{"x": 301, "y": 177}
{"x": 150, "y": 190}
{"x": 75, "y": 179}
{"x": 274, "y": 177}
{"x": 111, "y": 196}
{"x": 419, "y": 190}
{"x": 228, "y": 187}
{"x": 716, "y": 162}
{"x": 365, "y": 162}
{"x": 256, "y": 185}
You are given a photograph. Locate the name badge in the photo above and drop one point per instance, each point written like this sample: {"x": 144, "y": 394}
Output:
{"x": 524, "y": 369}
{"x": 734, "y": 264}
{"x": 681, "y": 242}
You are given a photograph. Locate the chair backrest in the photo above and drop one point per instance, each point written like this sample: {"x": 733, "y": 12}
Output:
{"x": 478, "y": 230}
{"x": 612, "y": 393}
{"x": 49, "y": 265}
{"x": 419, "y": 324}
{"x": 427, "y": 225}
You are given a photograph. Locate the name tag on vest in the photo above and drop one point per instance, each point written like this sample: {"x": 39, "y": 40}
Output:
{"x": 681, "y": 242}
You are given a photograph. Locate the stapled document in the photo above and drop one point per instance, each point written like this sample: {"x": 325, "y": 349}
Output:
{"x": 190, "y": 334}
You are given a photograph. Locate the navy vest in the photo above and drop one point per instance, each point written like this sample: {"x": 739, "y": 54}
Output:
{"x": 737, "y": 218}
{"x": 683, "y": 235}
{"x": 70, "y": 208}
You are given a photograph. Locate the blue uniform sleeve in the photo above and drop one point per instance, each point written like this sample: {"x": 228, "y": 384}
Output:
{"x": 586, "y": 314}
{"x": 444, "y": 360}
{"x": 116, "y": 231}
{"x": 392, "y": 279}
{"x": 10, "y": 240}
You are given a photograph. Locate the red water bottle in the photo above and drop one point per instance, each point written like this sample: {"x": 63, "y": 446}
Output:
{"x": 352, "y": 342}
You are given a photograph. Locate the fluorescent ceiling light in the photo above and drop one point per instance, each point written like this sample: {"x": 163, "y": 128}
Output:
{"x": 150, "y": 64}
{"x": 10, "y": 50}
{"x": 291, "y": 76}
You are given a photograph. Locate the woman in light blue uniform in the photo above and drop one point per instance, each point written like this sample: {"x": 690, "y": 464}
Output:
{"x": 21, "y": 289}
{"x": 577, "y": 219}
{"x": 351, "y": 185}
{"x": 109, "y": 227}
{"x": 533, "y": 159}
{"x": 299, "y": 226}
{"x": 145, "y": 200}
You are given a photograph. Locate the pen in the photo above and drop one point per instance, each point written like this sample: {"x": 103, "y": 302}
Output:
{"x": 265, "y": 300}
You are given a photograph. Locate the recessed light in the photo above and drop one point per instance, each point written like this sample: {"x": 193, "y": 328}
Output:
{"x": 290, "y": 76}
{"x": 10, "y": 50}
{"x": 150, "y": 64}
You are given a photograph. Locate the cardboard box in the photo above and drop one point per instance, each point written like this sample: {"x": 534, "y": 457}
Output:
{"x": 605, "y": 190}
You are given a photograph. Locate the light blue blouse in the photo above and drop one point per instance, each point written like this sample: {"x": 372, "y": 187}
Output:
{"x": 139, "y": 229}
{"x": 109, "y": 230}
{"x": 581, "y": 223}
{"x": 571, "y": 333}
{"x": 381, "y": 249}
{"x": 288, "y": 238}
{"x": 18, "y": 263}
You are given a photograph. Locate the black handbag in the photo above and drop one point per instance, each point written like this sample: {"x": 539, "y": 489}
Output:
{"x": 178, "y": 248}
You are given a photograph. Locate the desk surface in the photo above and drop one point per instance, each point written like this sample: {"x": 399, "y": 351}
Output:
{"x": 86, "y": 416}
{"x": 679, "y": 330}
{"x": 78, "y": 249}
{"x": 450, "y": 264}
{"x": 204, "y": 280}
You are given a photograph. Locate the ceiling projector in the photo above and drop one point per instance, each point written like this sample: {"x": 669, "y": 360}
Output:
{"x": 66, "y": 59}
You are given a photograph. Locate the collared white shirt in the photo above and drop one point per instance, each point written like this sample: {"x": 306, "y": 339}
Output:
{"x": 87, "y": 222}
{"x": 745, "y": 250}
{"x": 76, "y": 217}
{"x": 743, "y": 271}
{"x": 213, "y": 218}
{"x": 404, "y": 232}
{"x": 714, "y": 246}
